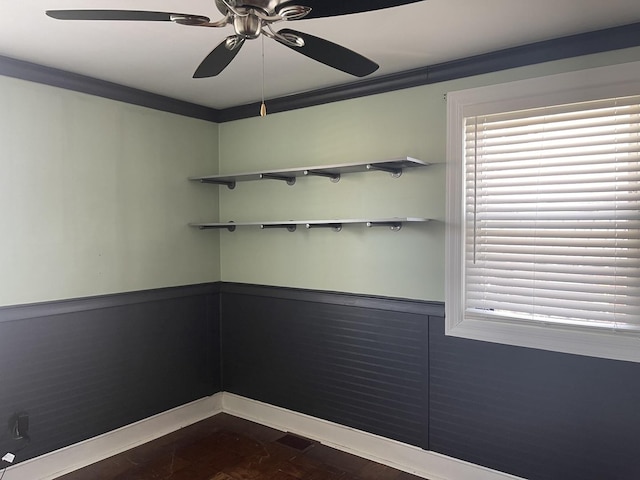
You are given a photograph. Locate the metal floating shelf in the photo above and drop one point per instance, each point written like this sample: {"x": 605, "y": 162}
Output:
{"x": 394, "y": 166}
{"x": 336, "y": 225}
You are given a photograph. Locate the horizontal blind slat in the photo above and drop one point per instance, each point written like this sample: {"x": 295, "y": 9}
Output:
{"x": 570, "y": 262}
{"x": 513, "y": 267}
{"x": 581, "y": 161}
{"x": 542, "y": 296}
{"x": 562, "y": 281}
{"x": 559, "y": 189}
{"x": 625, "y": 200}
{"x": 560, "y": 179}
{"x": 618, "y": 167}
{"x": 512, "y": 137}
{"x": 560, "y": 141}
{"x": 524, "y": 235}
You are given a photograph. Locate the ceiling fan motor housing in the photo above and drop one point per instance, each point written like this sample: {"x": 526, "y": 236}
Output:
{"x": 248, "y": 26}
{"x": 268, "y": 6}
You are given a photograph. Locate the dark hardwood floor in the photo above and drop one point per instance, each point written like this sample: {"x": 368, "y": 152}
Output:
{"x": 224, "y": 447}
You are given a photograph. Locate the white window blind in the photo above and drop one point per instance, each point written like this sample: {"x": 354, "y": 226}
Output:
{"x": 552, "y": 215}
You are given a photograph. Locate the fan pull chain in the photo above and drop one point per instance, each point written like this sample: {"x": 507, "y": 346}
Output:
{"x": 263, "y": 107}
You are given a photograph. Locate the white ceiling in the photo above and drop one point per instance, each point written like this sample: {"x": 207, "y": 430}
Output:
{"x": 161, "y": 57}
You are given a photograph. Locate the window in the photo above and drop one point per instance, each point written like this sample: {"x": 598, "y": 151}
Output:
{"x": 543, "y": 212}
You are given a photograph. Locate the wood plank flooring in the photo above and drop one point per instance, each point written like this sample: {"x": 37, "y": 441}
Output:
{"x": 224, "y": 447}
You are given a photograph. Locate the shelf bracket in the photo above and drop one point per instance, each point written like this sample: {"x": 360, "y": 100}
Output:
{"x": 272, "y": 176}
{"x": 336, "y": 227}
{"x": 393, "y": 226}
{"x": 395, "y": 172}
{"x": 290, "y": 228}
{"x": 229, "y": 184}
{"x": 231, "y": 227}
{"x": 334, "y": 177}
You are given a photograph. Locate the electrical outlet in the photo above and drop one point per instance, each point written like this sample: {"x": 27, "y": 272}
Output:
{"x": 8, "y": 457}
{"x": 19, "y": 425}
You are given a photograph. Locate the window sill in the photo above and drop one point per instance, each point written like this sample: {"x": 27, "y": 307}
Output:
{"x": 609, "y": 345}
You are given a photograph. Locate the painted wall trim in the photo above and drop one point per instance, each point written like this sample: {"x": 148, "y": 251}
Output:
{"x": 395, "y": 454}
{"x": 73, "y": 457}
{"x": 10, "y": 67}
{"x": 60, "y": 307}
{"x": 556, "y": 49}
{"x": 418, "y": 307}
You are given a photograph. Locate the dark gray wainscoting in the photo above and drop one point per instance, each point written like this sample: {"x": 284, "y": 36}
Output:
{"x": 83, "y": 367}
{"x": 385, "y": 366}
{"x": 355, "y": 360}
{"x": 532, "y": 413}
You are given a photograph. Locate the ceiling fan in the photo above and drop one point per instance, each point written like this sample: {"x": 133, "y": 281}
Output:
{"x": 252, "y": 18}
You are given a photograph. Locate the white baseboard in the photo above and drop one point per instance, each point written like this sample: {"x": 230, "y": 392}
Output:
{"x": 73, "y": 457}
{"x": 373, "y": 447}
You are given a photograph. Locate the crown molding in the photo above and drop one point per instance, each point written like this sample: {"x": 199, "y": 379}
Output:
{"x": 615, "y": 38}
{"x": 10, "y": 67}
{"x": 598, "y": 41}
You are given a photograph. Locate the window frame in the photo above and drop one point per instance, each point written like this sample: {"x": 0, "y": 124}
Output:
{"x": 578, "y": 86}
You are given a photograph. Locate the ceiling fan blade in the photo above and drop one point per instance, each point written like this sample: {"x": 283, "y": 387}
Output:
{"x": 220, "y": 57}
{"x": 330, "y": 54}
{"x": 113, "y": 15}
{"x": 327, "y": 8}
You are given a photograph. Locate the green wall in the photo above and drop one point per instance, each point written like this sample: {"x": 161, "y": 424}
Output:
{"x": 412, "y": 122}
{"x": 94, "y": 197}
{"x": 357, "y": 259}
